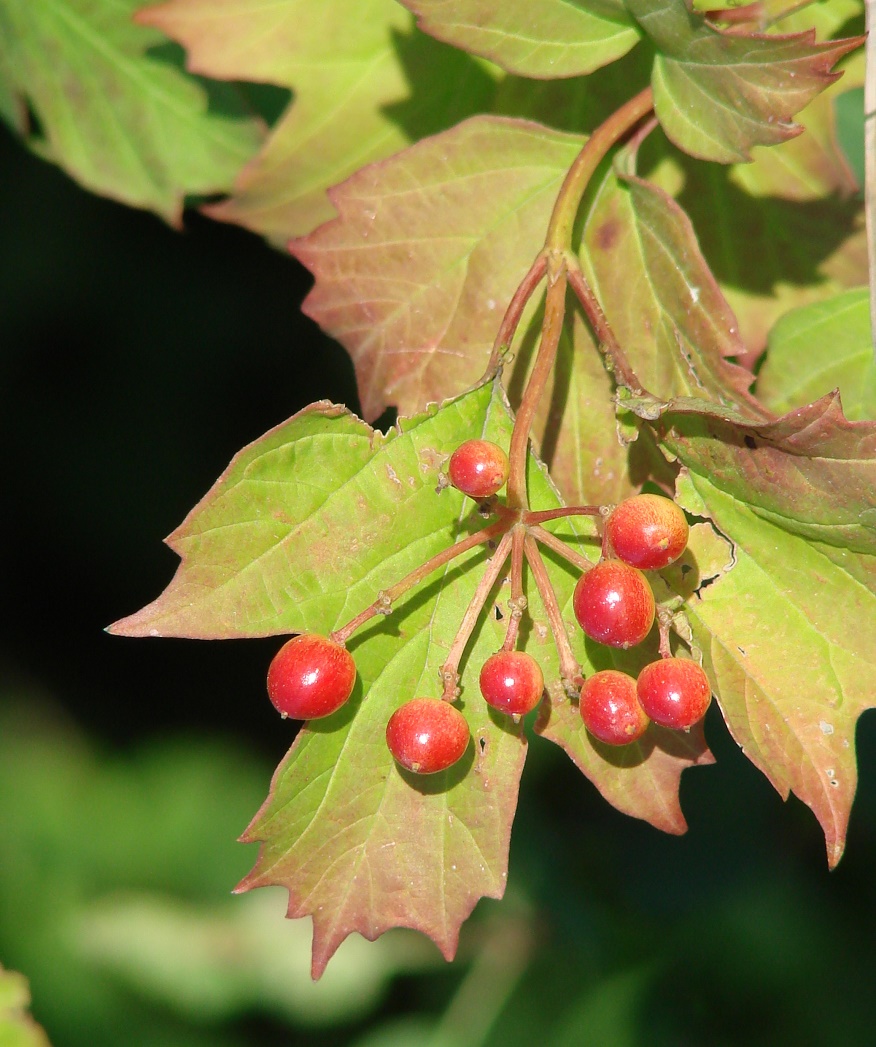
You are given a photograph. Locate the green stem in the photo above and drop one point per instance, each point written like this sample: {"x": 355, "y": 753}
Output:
{"x": 559, "y": 234}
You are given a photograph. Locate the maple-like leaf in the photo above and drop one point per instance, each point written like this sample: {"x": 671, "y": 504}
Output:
{"x": 789, "y": 639}
{"x": 302, "y": 531}
{"x": 718, "y": 94}
{"x": 539, "y": 38}
{"x": 365, "y": 84}
{"x": 114, "y": 108}
{"x": 819, "y": 347}
{"x": 415, "y": 273}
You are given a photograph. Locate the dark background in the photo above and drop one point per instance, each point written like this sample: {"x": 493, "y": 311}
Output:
{"x": 134, "y": 362}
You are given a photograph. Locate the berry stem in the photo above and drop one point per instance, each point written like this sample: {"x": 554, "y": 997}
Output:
{"x": 606, "y": 340}
{"x": 546, "y": 515}
{"x": 559, "y": 546}
{"x": 569, "y": 668}
{"x": 383, "y": 603}
{"x": 664, "y": 621}
{"x": 450, "y": 668}
{"x": 508, "y": 327}
{"x": 517, "y": 601}
{"x": 552, "y": 327}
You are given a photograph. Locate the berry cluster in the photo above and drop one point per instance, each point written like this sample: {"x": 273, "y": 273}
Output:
{"x": 613, "y": 604}
{"x": 313, "y": 676}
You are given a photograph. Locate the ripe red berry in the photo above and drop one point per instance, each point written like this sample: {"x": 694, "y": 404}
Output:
{"x": 310, "y": 676}
{"x": 610, "y": 709}
{"x": 478, "y": 468}
{"x": 427, "y": 735}
{"x": 647, "y": 531}
{"x": 674, "y": 692}
{"x": 512, "y": 682}
{"x": 614, "y": 604}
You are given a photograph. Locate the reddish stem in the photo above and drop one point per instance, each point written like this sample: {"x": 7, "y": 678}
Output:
{"x": 517, "y": 601}
{"x": 609, "y": 346}
{"x": 570, "y": 670}
{"x": 450, "y": 668}
{"x": 384, "y": 601}
{"x": 508, "y": 327}
{"x": 546, "y": 515}
{"x": 560, "y": 547}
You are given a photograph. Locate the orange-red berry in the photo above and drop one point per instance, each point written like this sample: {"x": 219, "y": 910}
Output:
{"x": 674, "y": 692}
{"x": 427, "y": 735}
{"x": 478, "y": 468}
{"x": 610, "y": 709}
{"x": 512, "y": 682}
{"x": 647, "y": 531}
{"x": 614, "y": 604}
{"x": 310, "y": 676}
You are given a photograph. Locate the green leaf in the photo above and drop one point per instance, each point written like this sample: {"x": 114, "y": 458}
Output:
{"x": 665, "y": 307}
{"x": 365, "y": 84}
{"x": 17, "y": 1028}
{"x": 789, "y": 639}
{"x": 302, "y": 531}
{"x": 820, "y": 347}
{"x": 718, "y": 94}
{"x": 539, "y": 38}
{"x": 812, "y": 471}
{"x": 116, "y": 110}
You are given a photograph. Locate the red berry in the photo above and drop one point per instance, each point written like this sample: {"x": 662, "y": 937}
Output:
{"x": 648, "y": 531}
{"x": 512, "y": 682}
{"x": 614, "y": 604}
{"x": 310, "y": 676}
{"x": 674, "y": 692}
{"x": 610, "y": 709}
{"x": 427, "y": 735}
{"x": 478, "y": 468}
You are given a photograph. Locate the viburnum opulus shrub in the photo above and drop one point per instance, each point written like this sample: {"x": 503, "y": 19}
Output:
{"x": 589, "y": 506}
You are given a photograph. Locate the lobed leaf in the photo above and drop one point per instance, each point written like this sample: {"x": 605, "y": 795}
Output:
{"x": 365, "y": 85}
{"x": 114, "y": 109}
{"x": 301, "y": 532}
{"x": 415, "y": 273}
{"x": 789, "y": 639}
{"x": 644, "y": 264}
{"x": 811, "y": 471}
{"x": 819, "y": 347}
{"x": 718, "y": 94}
{"x": 538, "y": 38}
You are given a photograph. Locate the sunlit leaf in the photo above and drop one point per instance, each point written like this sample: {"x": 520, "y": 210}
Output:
{"x": 365, "y": 84}
{"x": 539, "y": 38}
{"x": 789, "y": 637}
{"x": 811, "y": 471}
{"x": 114, "y": 107}
{"x": 821, "y": 347}
{"x": 414, "y": 275}
{"x": 718, "y": 94}
{"x": 302, "y": 532}
{"x": 658, "y": 293}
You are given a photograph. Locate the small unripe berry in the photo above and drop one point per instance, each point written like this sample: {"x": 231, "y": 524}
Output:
{"x": 310, "y": 676}
{"x": 674, "y": 692}
{"x": 512, "y": 682}
{"x": 647, "y": 531}
{"x": 427, "y": 735}
{"x": 478, "y": 468}
{"x": 610, "y": 709}
{"x": 614, "y": 604}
